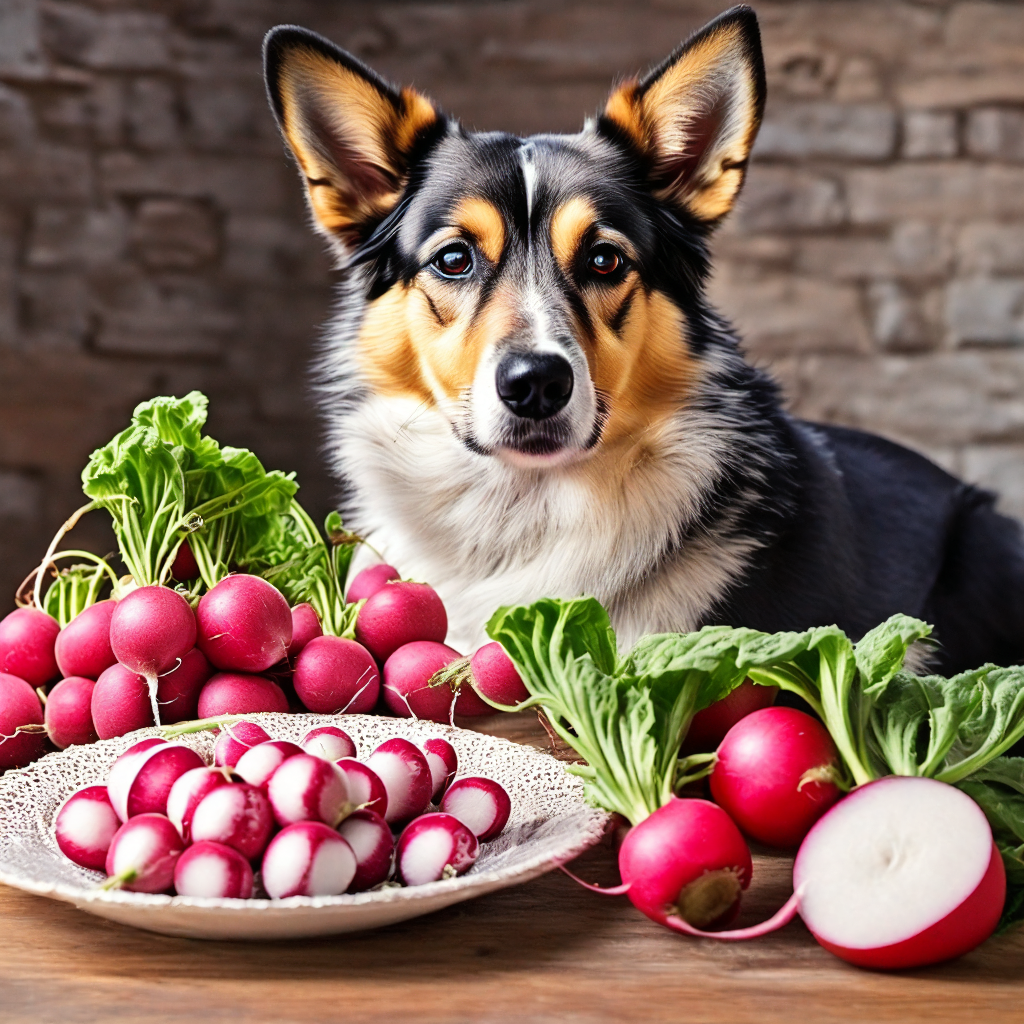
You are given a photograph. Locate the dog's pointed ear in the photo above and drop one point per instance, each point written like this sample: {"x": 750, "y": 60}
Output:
{"x": 694, "y": 118}
{"x": 352, "y": 134}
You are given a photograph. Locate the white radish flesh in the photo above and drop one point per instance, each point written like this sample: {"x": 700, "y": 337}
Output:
{"x": 213, "y": 870}
{"x": 373, "y": 845}
{"x": 308, "y": 788}
{"x": 143, "y": 854}
{"x": 328, "y": 742}
{"x": 257, "y": 765}
{"x": 85, "y": 825}
{"x": 188, "y": 792}
{"x": 480, "y": 804}
{"x": 435, "y": 846}
{"x": 238, "y": 815}
{"x": 405, "y": 773}
{"x": 365, "y": 788}
{"x": 307, "y": 859}
{"x": 443, "y": 762}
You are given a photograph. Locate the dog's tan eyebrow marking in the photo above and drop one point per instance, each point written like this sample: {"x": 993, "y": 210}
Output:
{"x": 569, "y": 225}
{"x": 484, "y": 222}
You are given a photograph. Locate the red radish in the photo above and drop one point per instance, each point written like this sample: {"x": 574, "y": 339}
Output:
{"x": 328, "y": 742}
{"x": 405, "y": 773}
{"x": 187, "y": 793}
{"x": 480, "y": 804}
{"x": 258, "y": 764}
{"x": 213, "y": 870}
{"x": 19, "y": 707}
{"x": 369, "y": 581}
{"x": 305, "y": 627}
{"x": 307, "y": 859}
{"x": 308, "y": 788}
{"x": 143, "y": 854}
{"x": 178, "y": 691}
{"x": 370, "y": 838}
{"x": 901, "y": 873}
{"x": 123, "y": 770}
{"x": 399, "y": 614}
{"x": 142, "y": 783}
{"x": 245, "y": 624}
{"x": 435, "y": 846}
{"x": 27, "y": 638}
{"x": 235, "y": 739}
{"x": 184, "y": 567}
{"x": 85, "y": 825}
{"x": 68, "y": 713}
{"x": 237, "y": 815}
{"x": 709, "y": 726}
{"x": 496, "y": 677}
{"x": 468, "y": 704}
{"x": 773, "y": 774}
{"x": 443, "y": 762}
{"x": 365, "y": 788}
{"x": 407, "y": 674}
{"x": 334, "y": 675}
{"x": 82, "y": 647}
{"x": 120, "y": 703}
{"x": 233, "y": 693}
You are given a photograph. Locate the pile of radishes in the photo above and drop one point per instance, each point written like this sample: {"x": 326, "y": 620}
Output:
{"x": 305, "y": 819}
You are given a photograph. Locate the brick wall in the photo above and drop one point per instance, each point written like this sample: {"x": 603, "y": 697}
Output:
{"x": 153, "y": 239}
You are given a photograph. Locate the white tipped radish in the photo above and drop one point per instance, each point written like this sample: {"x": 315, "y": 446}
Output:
{"x": 435, "y": 846}
{"x": 307, "y": 859}
{"x": 370, "y": 838}
{"x": 27, "y": 638}
{"x": 188, "y": 792}
{"x": 308, "y": 788}
{"x": 143, "y": 854}
{"x": 258, "y": 764}
{"x": 236, "y": 693}
{"x": 305, "y": 627}
{"x": 328, "y": 742}
{"x": 120, "y": 703}
{"x": 209, "y": 869}
{"x": 403, "y": 769}
{"x": 141, "y": 784}
{"x": 335, "y": 675}
{"x": 365, "y": 788}
{"x": 444, "y": 763}
{"x": 68, "y": 712}
{"x": 19, "y": 708}
{"x": 237, "y": 815}
{"x": 244, "y": 624}
{"x": 366, "y": 583}
{"x": 480, "y": 804}
{"x": 234, "y": 740}
{"x": 85, "y": 825}
{"x": 122, "y": 771}
{"x": 82, "y": 647}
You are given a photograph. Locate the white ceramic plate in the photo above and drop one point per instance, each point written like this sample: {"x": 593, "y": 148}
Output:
{"x": 550, "y": 824}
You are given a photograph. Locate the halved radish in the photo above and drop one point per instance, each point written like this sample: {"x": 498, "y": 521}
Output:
{"x": 370, "y": 838}
{"x": 237, "y": 815}
{"x": 365, "y": 788}
{"x": 85, "y": 825}
{"x": 444, "y": 763}
{"x": 213, "y": 870}
{"x": 308, "y": 859}
{"x": 328, "y": 742}
{"x": 187, "y": 793}
{"x": 308, "y": 788}
{"x": 480, "y": 804}
{"x": 405, "y": 773}
{"x": 433, "y": 847}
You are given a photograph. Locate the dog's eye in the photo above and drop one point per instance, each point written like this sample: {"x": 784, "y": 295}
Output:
{"x": 455, "y": 261}
{"x": 605, "y": 260}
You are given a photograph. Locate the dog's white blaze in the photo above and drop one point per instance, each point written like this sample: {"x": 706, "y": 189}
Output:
{"x": 526, "y": 155}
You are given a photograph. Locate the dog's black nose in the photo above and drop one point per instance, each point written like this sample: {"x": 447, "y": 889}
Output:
{"x": 534, "y": 385}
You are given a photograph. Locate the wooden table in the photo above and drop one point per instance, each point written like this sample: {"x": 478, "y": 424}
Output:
{"x": 544, "y": 951}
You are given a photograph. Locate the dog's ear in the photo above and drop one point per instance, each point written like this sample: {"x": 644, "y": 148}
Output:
{"x": 694, "y": 118}
{"x": 352, "y": 133}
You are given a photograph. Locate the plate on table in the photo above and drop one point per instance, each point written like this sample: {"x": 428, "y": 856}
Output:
{"x": 549, "y": 824}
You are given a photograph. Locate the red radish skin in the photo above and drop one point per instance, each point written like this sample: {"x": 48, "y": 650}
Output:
{"x": 245, "y": 624}
{"x": 19, "y": 707}
{"x": 709, "y": 726}
{"x": 308, "y": 788}
{"x": 403, "y": 769}
{"x": 120, "y": 703}
{"x": 334, "y": 675}
{"x": 443, "y": 762}
{"x": 468, "y": 704}
{"x": 308, "y": 859}
{"x": 188, "y": 792}
{"x": 237, "y": 815}
{"x": 178, "y": 691}
{"x": 234, "y": 740}
{"x": 27, "y": 638}
{"x": 124, "y": 769}
{"x": 213, "y": 871}
{"x": 82, "y": 647}
{"x": 435, "y": 846}
{"x": 234, "y": 693}
{"x": 482, "y": 805}
{"x": 365, "y": 788}
{"x": 328, "y": 742}
{"x": 305, "y": 627}
{"x": 143, "y": 855}
{"x": 68, "y": 712}
{"x": 496, "y": 677}
{"x": 398, "y": 614}
{"x": 85, "y": 825}
{"x": 144, "y": 786}
{"x": 407, "y": 674}
{"x": 184, "y": 567}
{"x": 772, "y": 775}
{"x": 369, "y": 581}
{"x": 370, "y": 838}
{"x": 258, "y": 764}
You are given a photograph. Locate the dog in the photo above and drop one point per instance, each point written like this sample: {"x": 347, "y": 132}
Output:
{"x": 526, "y": 392}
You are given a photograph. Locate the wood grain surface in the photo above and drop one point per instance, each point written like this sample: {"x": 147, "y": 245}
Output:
{"x": 544, "y": 951}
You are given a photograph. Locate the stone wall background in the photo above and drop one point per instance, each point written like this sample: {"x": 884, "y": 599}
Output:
{"x": 153, "y": 238}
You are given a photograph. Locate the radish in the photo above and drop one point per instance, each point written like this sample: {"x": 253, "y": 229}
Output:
{"x": 480, "y": 804}
{"x": 495, "y": 677}
{"x": 82, "y": 647}
{"x": 334, "y": 675}
{"x": 150, "y": 630}
{"x": 709, "y": 726}
{"x": 234, "y": 693}
{"x": 365, "y": 788}
{"x": 305, "y": 627}
{"x": 774, "y": 774}
{"x": 258, "y": 764}
{"x": 68, "y": 712}
{"x": 435, "y": 846}
{"x": 187, "y": 793}
{"x": 237, "y": 815}
{"x": 307, "y": 859}
{"x": 20, "y": 712}
{"x": 308, "y": 788}
{"x": 184, "y": 567}
{"x": 141, "y": 783}
{"x": 244, "y": 623}
{"x": 901, "y": 873}
{"x": 85, "y": 825}
{"x": 235, "y": 739}
{"x": 407, "y": 676}
{"x": 120, "y": 703}
{"x": 469, "y": 704}
{"x": 398, "y": 614}
{"x": 143, "y": 854}
{"x": 214, "y": 871}
{"x": 328, "y": 742}
{"x": 366, "y": 583}
{"x": 27, "y": 638}
{"x": 443, "y": 762}
{"x": 178, "y": 691}
{"x": 370, "y": 838}
{"x": 405, "y": 773}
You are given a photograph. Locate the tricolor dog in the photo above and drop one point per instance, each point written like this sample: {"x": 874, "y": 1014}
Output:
{"x": 526, "y": 392}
